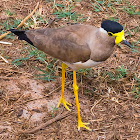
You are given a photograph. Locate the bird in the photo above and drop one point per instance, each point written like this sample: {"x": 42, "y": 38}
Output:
{"x": 78, "y": 46}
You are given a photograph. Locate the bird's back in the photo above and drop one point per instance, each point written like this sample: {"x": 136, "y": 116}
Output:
{"x": 67, "y": 43}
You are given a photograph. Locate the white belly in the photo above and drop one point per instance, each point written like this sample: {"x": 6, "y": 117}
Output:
{"x": 79, "y": 65}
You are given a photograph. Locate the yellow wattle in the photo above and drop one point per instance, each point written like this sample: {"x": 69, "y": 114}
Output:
{"x": 119, "y": 37}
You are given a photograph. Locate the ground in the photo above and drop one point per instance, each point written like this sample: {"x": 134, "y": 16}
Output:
{"x": 30, "y": 83}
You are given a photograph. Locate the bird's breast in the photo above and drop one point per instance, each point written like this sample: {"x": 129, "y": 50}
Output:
{"x": 82, "y": 65}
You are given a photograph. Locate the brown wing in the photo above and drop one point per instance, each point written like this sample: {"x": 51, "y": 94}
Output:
{"x": 63, "y": 43}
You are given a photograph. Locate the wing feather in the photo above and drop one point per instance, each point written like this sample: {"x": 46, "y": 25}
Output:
{"x": 62, "y": 43}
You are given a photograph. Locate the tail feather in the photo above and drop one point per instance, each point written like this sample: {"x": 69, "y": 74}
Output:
{"x": 21, "y": 35}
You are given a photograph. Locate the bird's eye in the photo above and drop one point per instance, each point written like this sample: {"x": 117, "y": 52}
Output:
{"x": 110, "y": 34}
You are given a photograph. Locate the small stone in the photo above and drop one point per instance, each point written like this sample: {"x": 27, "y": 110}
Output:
{"x": 78, "y": 5}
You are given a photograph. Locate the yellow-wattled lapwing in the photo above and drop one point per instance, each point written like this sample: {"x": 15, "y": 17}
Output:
{"x": 78, "y": 46}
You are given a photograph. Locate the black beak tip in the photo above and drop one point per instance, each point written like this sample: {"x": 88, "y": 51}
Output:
{"x": 126, "y": 43}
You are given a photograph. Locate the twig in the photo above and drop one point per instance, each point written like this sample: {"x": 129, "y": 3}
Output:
{"x": 5, "y": 60}
{"x": 96, "y": 120}
{"x": 95, "y": 105}
{"x": 8, "y": 78}
{"x": 7, "y": 43}
{"x": 59, "y": 117}
{"x": 3, "y": 35}
{"x": 22, "y": 22}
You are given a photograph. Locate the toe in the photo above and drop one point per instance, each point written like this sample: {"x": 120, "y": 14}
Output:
{"x": 65, "y": 103}
{"x": 59, "y": 104}
{"x": 68, "y": 103}
{"x": 86, "y": 123}
{"x": 81, "y": 124}
{"x": 67, "y": 107}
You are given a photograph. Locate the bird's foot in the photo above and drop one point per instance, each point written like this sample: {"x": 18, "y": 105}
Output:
{"x": 64, "y": 102}
{"x": 81, "y": 124}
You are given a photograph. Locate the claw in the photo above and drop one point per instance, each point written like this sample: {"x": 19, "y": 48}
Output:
{"x": 64, "y": 102}
{"x": 81, "y": 124}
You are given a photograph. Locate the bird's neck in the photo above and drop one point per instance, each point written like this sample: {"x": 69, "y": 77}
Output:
{"x": 103, "y": 35}
{"x": 102, "y": 30}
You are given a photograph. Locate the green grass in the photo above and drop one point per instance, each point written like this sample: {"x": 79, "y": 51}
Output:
{"x": 47, "y": 75}
{"x": 9, "y": 24}
{"x": 131, "y": 10}
{"x": 85, "y": 72}
{"x": 135, "y": 48}
{"x": 100, "y": 5}
{"x": 9, "y": 13}
{"x": 136, "y": 88}
{"x": 32, "y": 52}
{"x": 70, "y": 15}
{"x": 103, "y": 5}
{"x": 119, "y": 73}
{"x": 133, "y": 31}
{"x": 122, "y": 72}
{"x": 54, "y": 109}
{"x": 114, "y": 18}
{"x": 67, "y": 13}
{"x": 136, "y": 91}
{"x": 97, "y": 7}
{"x": 18, "y": 62}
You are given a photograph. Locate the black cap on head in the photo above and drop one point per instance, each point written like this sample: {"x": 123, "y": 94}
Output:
{"x": 111, "y": 26}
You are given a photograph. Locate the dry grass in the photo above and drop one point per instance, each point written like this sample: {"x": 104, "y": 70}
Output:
{"x": 108, "y": 94}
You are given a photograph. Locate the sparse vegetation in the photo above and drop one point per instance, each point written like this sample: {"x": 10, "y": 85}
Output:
{"x": 119, "y": 73}
{"x": 67, "y": 13}
{"x": 136, "y": 88}
{"x": 131, "y": 10}
{"x": 9, "y": 24}
{"x": 32, "y": 52}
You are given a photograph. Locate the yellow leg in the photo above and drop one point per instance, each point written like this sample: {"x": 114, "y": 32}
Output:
{"x": 75, "y": 88}
{"x": 62, "y": 99}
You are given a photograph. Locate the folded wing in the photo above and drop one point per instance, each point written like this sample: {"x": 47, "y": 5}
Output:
{"x": 61, "y": 43}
